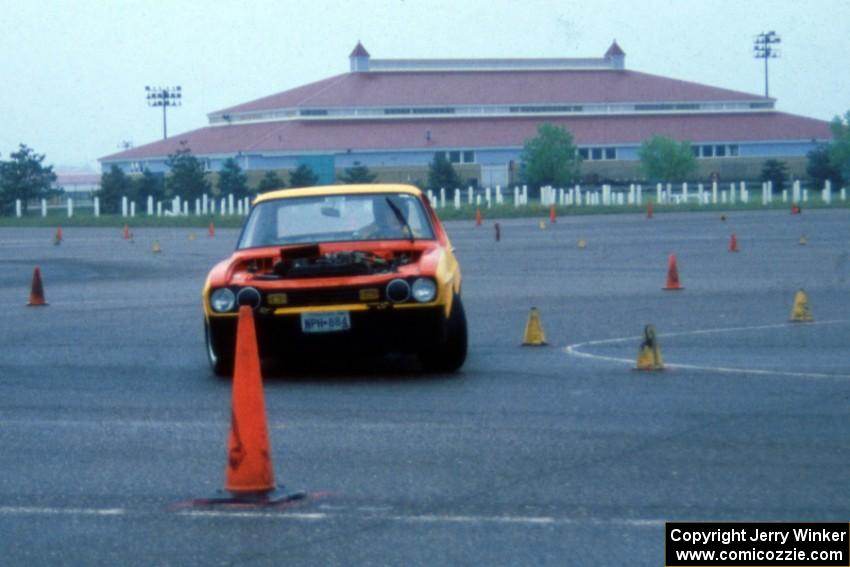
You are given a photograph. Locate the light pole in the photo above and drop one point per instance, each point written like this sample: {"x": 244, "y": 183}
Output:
{"x": 164, "y": 97}
{"x": 763, "y": 49}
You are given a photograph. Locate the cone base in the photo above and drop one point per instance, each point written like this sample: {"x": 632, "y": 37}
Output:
{"x": 276, "y": 497}
{"x": 544, "y": 343}
{"x": 672, "y": 288}
{"x": 662, "y": 369}
{"x": 43, "y": 304}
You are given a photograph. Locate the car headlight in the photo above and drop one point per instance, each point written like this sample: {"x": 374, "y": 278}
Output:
{"x": 424, "y": 290}
{"x": 222, "y": 300}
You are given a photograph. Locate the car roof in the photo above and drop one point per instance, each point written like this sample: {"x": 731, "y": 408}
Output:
{"x": 338, "y": 190}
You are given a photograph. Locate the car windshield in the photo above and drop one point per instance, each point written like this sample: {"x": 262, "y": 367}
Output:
{"x": 336, "y": 218}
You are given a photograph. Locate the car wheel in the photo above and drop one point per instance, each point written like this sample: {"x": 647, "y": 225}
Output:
{"x": 220, "y": 364}
{"x": 449, "y": 355}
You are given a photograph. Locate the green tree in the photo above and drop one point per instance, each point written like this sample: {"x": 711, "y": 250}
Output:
{"x": 303, "y": 176}
{"x": 550, "y": 158}
{"x": 114, "y": 184}
{"x": 666, "y": 159}
{"x": 441, "y": 174}
{"x": 839, "y": 153}
{"x": 358, "y": 174}
{"x": 270, "y": 181}
{"x": 149, "y": 184}
{"x": 186, "y": 176}
{"x": 231, "y": 179}
{"x": 776, "y": 172}
{"x": 24, "y": 177}
{"x": 820, "y": 168}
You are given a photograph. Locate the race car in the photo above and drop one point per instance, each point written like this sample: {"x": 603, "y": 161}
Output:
{"x": 343, "y": 268}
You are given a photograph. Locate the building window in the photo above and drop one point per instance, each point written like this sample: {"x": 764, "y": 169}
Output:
{"x": 596, "y": 153}
{"x": 454, "y": 157}
{"x": 546, "y": 108}
{"x": 468, "y": 156}
{"x": 695, "y": 151}
{"x": 733, "y": 150}
{"x": 584, "y": 153}
{"x": 610, "y": 153}
{"x": 313, "y": 112}
{"x": 708, "y": 151}
{"x": 720, "y": 151}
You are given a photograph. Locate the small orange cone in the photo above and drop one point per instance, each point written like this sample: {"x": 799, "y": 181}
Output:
{"x": 211, "y": 230}
{"x": 552, "y": 214}
{"x": 126, "y": 232}
{"x": 672, "y": 274}
{"x": 649, "y": 209}
{"x": 795, "y": 209}
{"x": 57, "y": 240}
{"x": 477, "y": 216}
{"x": 37, "y": 290}
{"x": 733, "y": 243}
{"x": 249, "y": 463}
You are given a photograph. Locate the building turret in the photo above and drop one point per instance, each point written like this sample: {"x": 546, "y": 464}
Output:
{"x": 616, "y": 56}
{"x": 359, "y": 59}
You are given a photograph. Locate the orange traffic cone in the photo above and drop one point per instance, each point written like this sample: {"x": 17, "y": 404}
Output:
{"x": 649, "y": 209}
{"x": 795, "y": 209}
{"x": 552, "y": 215}
{"x": 733, "y": 243}
{"x": 57, "y": 240}
{"x": 672, "y": 274}
{"x": 37, "y": 290}
{"x": 211, "y": 230}
{"x": 249, "y": 463}
{"x": 126, "y": 232}
{"x": 248, "y": 476}
{"x": 477, "y": 216}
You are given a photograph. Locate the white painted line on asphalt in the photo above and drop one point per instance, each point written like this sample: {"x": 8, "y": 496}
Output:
{"x": 573, "y": 350}
{"x": 36, "y": 511}
{"x": 450, "y": 519}
{"x": 342, "y": 514}
{"x": 365, "y": 515}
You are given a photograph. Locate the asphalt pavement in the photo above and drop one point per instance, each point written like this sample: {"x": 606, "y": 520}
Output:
{"x": 110, "y": 421}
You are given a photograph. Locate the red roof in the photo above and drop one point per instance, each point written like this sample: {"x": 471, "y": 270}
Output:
{"x": 434, "y": 88}
{"x": 614, "y": 50}
{"x": 359, "y": 51}
{"x": 365, "y": 135}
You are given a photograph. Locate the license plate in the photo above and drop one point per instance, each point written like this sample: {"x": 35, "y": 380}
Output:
{"x": 325, "y": 322}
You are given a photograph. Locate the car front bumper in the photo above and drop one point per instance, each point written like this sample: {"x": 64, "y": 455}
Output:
{"x": 372, "y": 331}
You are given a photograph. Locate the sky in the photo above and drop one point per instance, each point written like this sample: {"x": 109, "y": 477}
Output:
{"x": 74, "y": 72}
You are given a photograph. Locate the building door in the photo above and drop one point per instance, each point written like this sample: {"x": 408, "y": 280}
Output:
{"x": 492, "y": 175}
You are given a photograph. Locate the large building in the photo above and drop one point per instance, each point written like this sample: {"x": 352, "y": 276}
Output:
{"x": 393, "y": 115}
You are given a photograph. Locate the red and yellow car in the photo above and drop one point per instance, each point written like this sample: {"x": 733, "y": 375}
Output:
{"x": 363, "y": 268}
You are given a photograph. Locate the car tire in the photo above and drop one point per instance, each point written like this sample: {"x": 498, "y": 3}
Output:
{"x": 220, "y": 364}
{"x": 450, "y": 354}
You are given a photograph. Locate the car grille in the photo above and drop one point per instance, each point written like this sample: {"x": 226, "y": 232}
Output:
{"x": 309, "y": 297}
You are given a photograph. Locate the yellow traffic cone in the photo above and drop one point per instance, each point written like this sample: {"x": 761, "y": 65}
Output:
{"x": 803, "y": 240}
{"x": 533, "y": 335}
{"x": 582, "y": 243}
{"x": 800, "y": 311}
{"x": 192, "y": 236}
{"x": 156, "y": 249}
{"x": 542, "y": 225}
{"x": 649, "y": 355}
